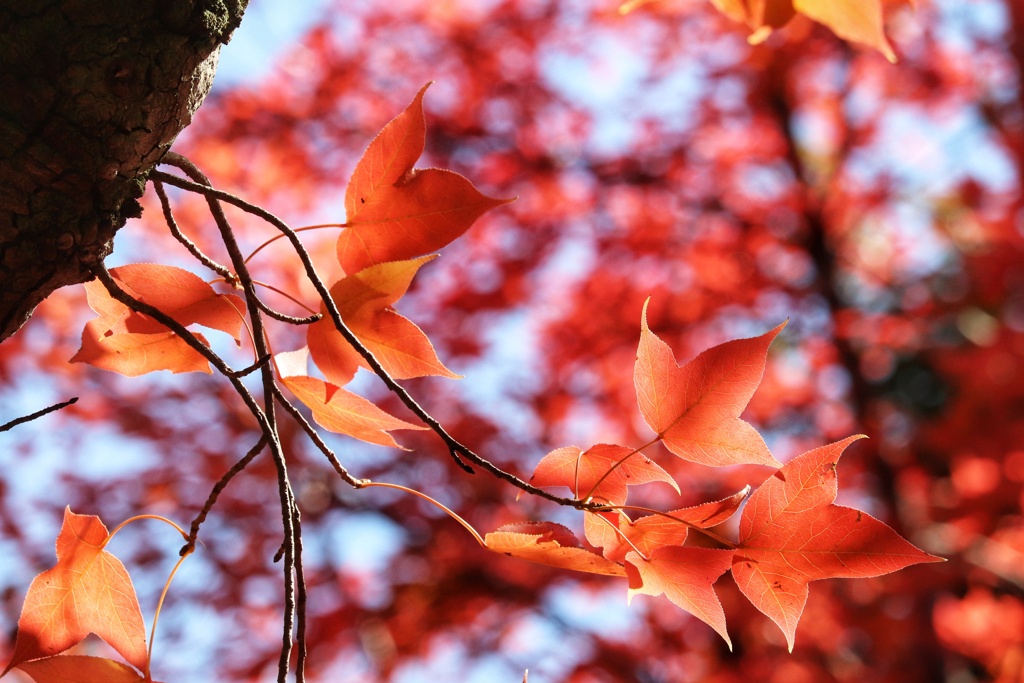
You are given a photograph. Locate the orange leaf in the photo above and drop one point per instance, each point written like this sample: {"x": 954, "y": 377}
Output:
{"x": 176, "y": 292}
{"x": 757, "y": 13}
{"x": 88, "y": 591}
{"x": 364, "y": 300}
{"x": 79, "y": 669}
{"x": 856, "y": 20}
{"x": 121, "y": 340}
{"x": 551, "y": 544}
{"x": 599, "y": 466}
{"x": 605, "y": 530}
{"x": 395, "y": 212}
{"x": 686, "y": 577}
{"x": 791, "y": 533}
{"x": 695, "y": 408}
{"x": 134, "y": 354}
{"x": 338, "y": 410}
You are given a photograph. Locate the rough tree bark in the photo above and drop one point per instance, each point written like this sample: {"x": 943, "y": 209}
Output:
{"x": 92, "y": 93}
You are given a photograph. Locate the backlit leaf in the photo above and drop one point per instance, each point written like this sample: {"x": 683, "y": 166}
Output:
{"x": 88, "y": 591}
{"x": 338, "y": 410}
{"x": 395, "y": 212}
{"x": 856, "y": 20}
{"x": 364, "y": 300}
{"x": 695, "y": 408}
{"x": 686, "y": 577}
{"x": 551, "y": 544}
{"x": 134, "y": 354}
{"x": 79, "y": 669}
{"x": 791, "y": 533}
{"x": 611, "y": 469}
{"x": 123, "y": 341}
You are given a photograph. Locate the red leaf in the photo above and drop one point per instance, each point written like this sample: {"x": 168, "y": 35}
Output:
{"x": 695, "y": 408}
{"x": 338, "y": 410}
{"x": 394, "y": 212}
{"x": 88, "y": 591}
{"x": 599, "y": 466}
{"x": 79, "y": 669}
{"x": 364, "y": 301}
{"x": 551, "y": 544}
{"x": 791, "y": 533}
{"x": 686, "y": 577}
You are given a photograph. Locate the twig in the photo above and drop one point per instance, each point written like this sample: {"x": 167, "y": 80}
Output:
{"x": 193, "y": 531}
{"x": 300, "y": 599}
{"x": 192, "y": 247}
{"x": 317, "y": 441}
{"x": 285, "y": 318}
{"x": 457, "y": 449}
{"x": 39, "y": 413}
{"x": 260, "y": 362}
{"x": 285, "y": 493}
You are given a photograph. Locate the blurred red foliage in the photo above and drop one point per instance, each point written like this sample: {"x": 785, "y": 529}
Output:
{"x": 878, "y": 207}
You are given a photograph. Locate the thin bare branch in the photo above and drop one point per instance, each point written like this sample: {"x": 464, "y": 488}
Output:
{"x": 39, "y": 413}
{"x": 285, "y": 493}
{"x": 285, "y": 318}
{"x": 193, "y": 532}
{"x": 192, "y": 247}
{"x": 314, "y": 436}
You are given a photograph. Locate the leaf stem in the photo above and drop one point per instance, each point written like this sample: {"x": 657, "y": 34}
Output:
{"x": 159, "y": 607}
{"x": 286, "y": 295}
{"x": 302, "y": 229}
{"x": 451, "y": 513}
{"x": 137, "y": 518}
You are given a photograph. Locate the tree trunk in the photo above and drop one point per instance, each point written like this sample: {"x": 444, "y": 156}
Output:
{"x": 92, "y": 93}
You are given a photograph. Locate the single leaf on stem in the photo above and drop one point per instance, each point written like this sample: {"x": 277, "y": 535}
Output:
{"x": 178, "y": 293}
{"x": 695, "y": 408}
{"x": 130, "y": 343}
{"x": 597, "y": 472}
{"x": 110, "y": 347}
{"x": 686, "y": 576}
{"x": 364, "y": 300}
{"x": 791, "y": 533}
{"x": 88, "y": 591}
{"x": 395, "y": 212}
{"x": 856, "y": 20}
{"x": 551, "y": 544}
{"x": 80, "y": 669}
{"x": 334, "y": 408}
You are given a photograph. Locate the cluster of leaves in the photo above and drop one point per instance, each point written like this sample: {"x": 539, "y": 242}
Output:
{"x": 790, "y": 533}
{"x": 802, "y": 179}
